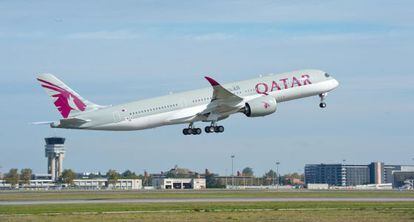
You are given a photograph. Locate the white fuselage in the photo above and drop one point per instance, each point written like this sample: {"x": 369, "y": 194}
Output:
{"x": 188, "y": 107}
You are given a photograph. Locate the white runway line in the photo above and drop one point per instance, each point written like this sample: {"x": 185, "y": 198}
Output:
{"x": 201, "y": 200}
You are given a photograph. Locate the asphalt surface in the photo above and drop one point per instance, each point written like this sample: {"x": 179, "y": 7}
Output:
{"x": 210, "y": 200}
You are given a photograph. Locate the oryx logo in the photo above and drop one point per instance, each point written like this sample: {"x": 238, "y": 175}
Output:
{"x": 266, "y": 105}
{"x": 65, "y": 100}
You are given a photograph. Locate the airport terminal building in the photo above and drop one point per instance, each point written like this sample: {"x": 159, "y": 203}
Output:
{"x": 353, "y": 175}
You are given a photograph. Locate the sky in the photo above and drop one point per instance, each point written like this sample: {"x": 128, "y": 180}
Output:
{"x": 113, "y": 52}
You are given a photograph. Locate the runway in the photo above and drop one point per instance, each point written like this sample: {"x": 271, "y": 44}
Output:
{"x": 201, "y": 200}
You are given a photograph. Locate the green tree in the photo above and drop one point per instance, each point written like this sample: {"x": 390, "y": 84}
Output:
{"x": 269, "y": 177}
{"x": 112, "y": 176}
{"x": 213, "y": 182}
{"x": 270, "y": 174}
{"x": 26, "y": 175}
{"x": 170, "y": 174}
{"x": 68, "y": 176}
{"x": 248, "y": 171}
{"x": 95, "y": 176}
{"x": 12, "y": 177}
{"x": 129, "y": 175}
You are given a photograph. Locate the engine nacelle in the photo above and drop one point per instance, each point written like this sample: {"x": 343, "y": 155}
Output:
{"x": 262, "y": 106}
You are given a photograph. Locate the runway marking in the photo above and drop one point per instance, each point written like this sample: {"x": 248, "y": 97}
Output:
{"x": 201, "y": 200}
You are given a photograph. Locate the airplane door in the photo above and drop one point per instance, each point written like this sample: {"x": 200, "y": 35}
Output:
{"x": 183, "y": 104}
{"x": 117, "y": 117}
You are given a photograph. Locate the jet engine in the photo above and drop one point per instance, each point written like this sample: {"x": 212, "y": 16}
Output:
{"x": 262, "y": 106}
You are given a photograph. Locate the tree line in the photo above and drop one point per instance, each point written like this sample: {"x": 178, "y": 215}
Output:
{"x": 14, "y": 177}
{"x": 269, "y": 178}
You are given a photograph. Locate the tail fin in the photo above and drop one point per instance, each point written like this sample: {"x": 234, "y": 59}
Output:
{"x": 68, "y": 102}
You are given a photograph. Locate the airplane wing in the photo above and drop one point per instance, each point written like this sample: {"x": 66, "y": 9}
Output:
{"x": 223, "y": 102}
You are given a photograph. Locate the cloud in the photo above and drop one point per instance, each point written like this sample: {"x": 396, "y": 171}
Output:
{"x": 108, "y": 35}
{"x": 217, "y": 36}
{"x": 23, "y": 35}
{"x": 335, "y": 37}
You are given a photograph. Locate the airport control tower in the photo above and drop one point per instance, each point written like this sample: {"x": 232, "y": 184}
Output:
{"x": 55, "y": 152}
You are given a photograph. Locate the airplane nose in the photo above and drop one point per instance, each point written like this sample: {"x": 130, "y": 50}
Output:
{"x": 335, "y": 83}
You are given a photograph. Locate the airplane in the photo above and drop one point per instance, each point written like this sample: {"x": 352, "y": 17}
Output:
{"x": 256, "y": 97}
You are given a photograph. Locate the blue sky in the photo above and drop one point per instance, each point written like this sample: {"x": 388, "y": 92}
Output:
{"x": 113, "y": 52}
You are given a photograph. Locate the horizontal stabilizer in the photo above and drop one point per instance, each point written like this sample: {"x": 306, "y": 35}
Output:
{"x": 42, "y": 123}
{"x": 71, "y": 122}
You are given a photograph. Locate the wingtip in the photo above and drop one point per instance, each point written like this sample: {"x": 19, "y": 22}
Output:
{"x": 212, "y": 81}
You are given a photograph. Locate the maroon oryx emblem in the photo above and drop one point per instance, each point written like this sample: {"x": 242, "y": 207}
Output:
{"x": 266, "y": 105}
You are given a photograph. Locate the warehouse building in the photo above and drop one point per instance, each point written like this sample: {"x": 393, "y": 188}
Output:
{"x": 179, "y": 183}
{"x": 96, "y": 184}
{"x": 85, "y": 184}
{"x": 403, "y": 179}
{"x": 389, "y": 171}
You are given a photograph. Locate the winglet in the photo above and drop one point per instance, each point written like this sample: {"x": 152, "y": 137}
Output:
{"x": 212, "y": 81}
{"x": 219, "y": 92}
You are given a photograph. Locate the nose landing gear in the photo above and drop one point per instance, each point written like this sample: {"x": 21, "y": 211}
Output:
{"x": 322, "y": 96}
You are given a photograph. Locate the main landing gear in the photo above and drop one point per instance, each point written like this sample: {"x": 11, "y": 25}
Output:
{"x": 322, "y": 104}
{"x": 213, "y": 128}
{"x": 192, "y": 131}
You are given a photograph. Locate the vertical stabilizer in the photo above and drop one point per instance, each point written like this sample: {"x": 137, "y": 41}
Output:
{"x": 68, "y": 102}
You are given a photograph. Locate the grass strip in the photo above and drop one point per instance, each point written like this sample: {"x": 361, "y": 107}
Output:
{"x": 100, "y": 195}
{"x": 201, "y": 207}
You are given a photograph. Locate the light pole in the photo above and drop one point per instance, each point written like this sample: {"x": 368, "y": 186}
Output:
{"x": 277, "y": 173}
{"x": 232, "y": 170}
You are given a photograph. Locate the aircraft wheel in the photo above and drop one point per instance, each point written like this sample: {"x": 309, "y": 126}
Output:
{"x": 219, "y": 129}
{"x": 322, "y": 105}
{"x": 185, "y": 131}
{"x": 207, "y": 129}
{"x": 198, "y": 131}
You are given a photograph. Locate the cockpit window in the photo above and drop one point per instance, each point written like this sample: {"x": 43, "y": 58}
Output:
{"x": 327, "y": 75}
